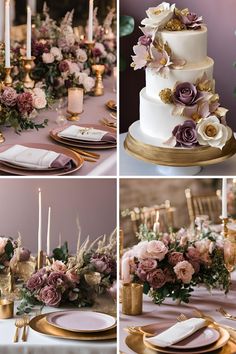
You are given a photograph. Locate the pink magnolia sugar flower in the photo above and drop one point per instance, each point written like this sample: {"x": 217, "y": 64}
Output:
{"x": 50, "y": 296}
{"x": 3, "y": 242}
{"x": 59, "y": 266}
{"x": 184, "y": 271}
{"x": 175, "y": 257}
{"x": 156, "y": 278}
{"x": 141, "y": 57}
{"x": 157, "y": 250}
{"x": 145, "y": 40}
{"x": 160, "y": 61}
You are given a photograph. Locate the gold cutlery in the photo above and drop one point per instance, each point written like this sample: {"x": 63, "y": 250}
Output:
{"x": 107, "y": 123}
{"x": 113, "y": 115}
{"x": 226, "y": 314}
{"x": 18, "y": 324}
{"x": 26, "y": 323}
{"x": 93, "y": 155}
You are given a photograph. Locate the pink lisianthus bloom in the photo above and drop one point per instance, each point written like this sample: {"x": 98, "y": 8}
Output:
{"x": 184, "y": 271}
{"x": 141, "y": 57}
{"x": 156, "y": 278}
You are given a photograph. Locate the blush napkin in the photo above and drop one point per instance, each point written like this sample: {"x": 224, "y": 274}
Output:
{"x": 178, "y": 332}
{"x": 23, "y": 156}
{"x": 87, "y": 134}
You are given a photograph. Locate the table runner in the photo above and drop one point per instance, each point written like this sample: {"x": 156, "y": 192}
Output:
{"x": 201, "y": 299}
{"x": 94, "y": 110}
{"x": 40, "y": 344}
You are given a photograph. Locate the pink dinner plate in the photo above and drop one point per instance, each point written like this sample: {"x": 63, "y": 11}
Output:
{"x": 202, "y": 338}
{"x": 81, "y": 321}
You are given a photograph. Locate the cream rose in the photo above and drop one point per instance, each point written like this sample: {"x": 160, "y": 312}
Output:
{"x": 88, "y": 83}
{"x": 157, "y": 249}
{"x": 81, "y": 55}
{"x": 59, "y": 266}
{"x": 39, "y": 102}
{"x": 56, "y": 52}
{"x": 48, "y": 58}
{"x": 211, "y": 132}
{"x": 158, "y": 16}
{"x": 184, "y": 271}
{"x": 3, "y": 242}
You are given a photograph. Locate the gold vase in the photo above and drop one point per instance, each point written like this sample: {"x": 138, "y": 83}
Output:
{"x": 98, "y": 70}
{"x": 6, "y": 308}
{"x": 28, "y": 64}
{"x": 132, "y": 299}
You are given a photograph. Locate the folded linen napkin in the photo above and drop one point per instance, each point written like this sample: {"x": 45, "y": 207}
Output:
{"x": 89, "y": 134}
{"x": 178, "y": 332}
{"x": 35, "y": 158}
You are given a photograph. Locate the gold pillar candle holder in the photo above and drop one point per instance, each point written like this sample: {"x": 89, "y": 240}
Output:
{"x": 132, "y": 299}
{"x": 2, "y": 47}
{"x": 90, "y": 46}
{"x": 28, "y": 64}
{"x": 224, "y": 226}
{"x": 6, "y": 309}
{"x": 8, "y": 79}
{"x": 98, "y": 70}
{"x": 40, "y": 260}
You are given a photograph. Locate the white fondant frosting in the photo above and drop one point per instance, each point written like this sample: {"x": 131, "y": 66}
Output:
{"x": 190, "y": 73}
{"x": 156, "y": 118}
{"x": 190, "y": 45}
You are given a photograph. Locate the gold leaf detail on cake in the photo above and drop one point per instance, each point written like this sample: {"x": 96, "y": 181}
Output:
{"x": 183, "y": 12}
{"x": 205, "y": 84}
{"x": 175, "y": 25}
{"x": 166, "y": 96}
{"x": 196, "y": 117}
{"x": 211, "y": 131}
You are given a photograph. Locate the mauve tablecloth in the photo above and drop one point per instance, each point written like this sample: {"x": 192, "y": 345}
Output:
{"x": 94, "y": 110}
{"x": 40, "y": 344}
{"x": 201, "y": 299}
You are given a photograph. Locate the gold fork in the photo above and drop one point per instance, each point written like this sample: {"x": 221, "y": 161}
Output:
{"x": 18, "y": 324}
{"x": 226, "y": 314}
{"x": 24, "y": 334}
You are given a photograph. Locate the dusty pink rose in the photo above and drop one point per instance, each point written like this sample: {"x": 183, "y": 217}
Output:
{"x": 59, "y": 266}
{"x": 184, "y": 271}
{"x": 170, "y": 277}
{"x": 175, "y": 257}
{"x": 3, "y": 242}
{"x": 157, "y": 249}
{"x": 156, "y": 278}
{"x": 9, "y": 97}
{"x": 73, "y": 276}
{"x": 58, "y": 280}
{"x": 35, "y": 282}
{"x": 193, "y": 253}
{"x": 48, "y": 58}
{"x": 64, "y": 66}
{"x": 25, "y": 103}
{"x": 50, "y": 296}
{"x": 145, "y": 266}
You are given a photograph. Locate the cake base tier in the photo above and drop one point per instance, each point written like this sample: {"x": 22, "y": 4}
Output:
{"x": 151, "y": 150}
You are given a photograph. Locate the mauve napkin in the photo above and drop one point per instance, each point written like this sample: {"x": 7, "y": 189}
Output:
{"x": 178, "y": 332}
{"x": 35, "y": 158}
{"x": 87, "y": 134}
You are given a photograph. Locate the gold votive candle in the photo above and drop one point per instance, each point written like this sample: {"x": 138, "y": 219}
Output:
{"x": 6, "y": 309}
{"x": 132, "y": 299}
{"x": 75, "y": 102}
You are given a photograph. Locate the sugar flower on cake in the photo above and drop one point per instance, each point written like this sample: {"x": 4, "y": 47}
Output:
{"x": 189, "y": 19}
{"x": 211, "y": 132}
{"x": 186, "y": 134}
{"x": 158, "y": 17}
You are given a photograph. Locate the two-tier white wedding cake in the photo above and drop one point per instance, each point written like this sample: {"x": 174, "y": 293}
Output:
{"x": 179, "y": 107}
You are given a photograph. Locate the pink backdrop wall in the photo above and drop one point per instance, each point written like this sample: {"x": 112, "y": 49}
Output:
{"x": 220, "y": 17}
{"x": 93, "y": 200}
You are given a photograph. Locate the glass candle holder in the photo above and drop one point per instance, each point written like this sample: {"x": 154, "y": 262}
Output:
{"x": 75, "y": 103}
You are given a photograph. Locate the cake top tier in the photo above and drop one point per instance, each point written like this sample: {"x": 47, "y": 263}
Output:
{"x": 169, "y": 35}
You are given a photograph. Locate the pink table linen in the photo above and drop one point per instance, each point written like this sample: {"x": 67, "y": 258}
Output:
{"x": 201, "y": 299}
{"x": 94, "y": 110}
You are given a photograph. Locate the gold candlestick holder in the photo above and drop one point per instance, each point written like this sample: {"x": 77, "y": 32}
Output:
{"x": 8, "y": 79}
{"x": 73, "y": 116}
{"x": 132, "y": 299}
{"x": 90, "y": 46}
{"x": 40, "y": 260}
{"x": 28, "y": 64}
{"x": 224, "y": 225}
{"x": 98, "y": 70}
{"x": 2, "y": 46}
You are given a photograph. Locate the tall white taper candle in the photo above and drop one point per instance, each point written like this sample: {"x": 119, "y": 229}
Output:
{"x": 7, "y": 34}
{"x": 224, "y": 198}
{"x": 40, "y": 223}
{"x": 28, "y": 46}
{"x": 48, "y": 231}
{"x": 90, "y": 21}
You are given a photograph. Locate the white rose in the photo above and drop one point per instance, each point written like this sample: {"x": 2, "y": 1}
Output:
{"x": 56, "y": 52}
{"x": 211, "y": 132}
{"x": 48, "y": 58}
{"x": 37, "y": 91}
{"x": 111, "y": 58}
{"x": 158, "y": 16}
{"x": 82, "y": 77}
{"x": 74, "y": 69}
{"x": 88, "y": 83}
{"x": 101, "y": 48}
{"x": 81, "y": 55}
{"x": 39, "y": 102}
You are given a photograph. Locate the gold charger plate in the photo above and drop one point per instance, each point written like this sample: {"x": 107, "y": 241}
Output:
{"x": 178, "y": 157}
{"x": 19, "y": 170}
{"x": 40, "y": 325}
{"x": 111, "y": 104}
{"x": 53, "y": 134}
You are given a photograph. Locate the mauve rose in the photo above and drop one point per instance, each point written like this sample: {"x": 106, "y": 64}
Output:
{"x": 64, "y": 66}
{"x": 103, "y": 263}
{"x": 59, "y": 266}
{"x": 57, "y": 279}
{"x": 195, "y": 264}
{"x": 175, "y": 257}
{"x": 50, "y": 296}
{"x": 73, "y": 276}
{"x": 145, "y": 266}
{"x": 25, "y": 103}
{"x": 193, "y": 253}
{"x": 145, "y": 40}
{"x": 191, "y": 20}
{"x": 35, "y": 282}
{"x": 186, "y": 134}
{"x": 157, "y": 249}
{"x": 9, "y": 97}
{"x": 170, "y": 277}
{"x": 184, "y": 271}
{"x": 186, "y": 94}
{"x": 156, "y": 278}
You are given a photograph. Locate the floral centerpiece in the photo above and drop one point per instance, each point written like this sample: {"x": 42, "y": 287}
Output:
{"x": 171, "y": 265}
{"x": 75, "y": 280}
{"x": 7, "y": 246}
